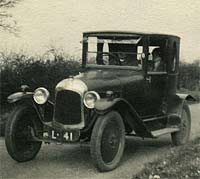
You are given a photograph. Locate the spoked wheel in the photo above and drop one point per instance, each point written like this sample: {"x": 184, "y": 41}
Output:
{"x": 182, "y": 136}
{"x": 108, "y": 141}
{"x": 18, "y": 138}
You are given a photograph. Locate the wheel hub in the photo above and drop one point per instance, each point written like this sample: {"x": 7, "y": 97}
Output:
{"x": 113, "y": 141}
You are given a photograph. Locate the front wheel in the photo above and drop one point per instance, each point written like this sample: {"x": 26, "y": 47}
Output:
{"x": 108, "y": 141}
{"x": 19, "y": 143}
{"x": 182, "y": 136}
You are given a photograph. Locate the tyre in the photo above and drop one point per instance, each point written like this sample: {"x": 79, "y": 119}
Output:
{"x": 182, "y": 136}
{"x": 18, "y": 141}
{"x": 107, "y": 141}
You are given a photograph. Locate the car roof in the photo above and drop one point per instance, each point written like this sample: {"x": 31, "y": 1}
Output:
{"x": 125, "y": 33}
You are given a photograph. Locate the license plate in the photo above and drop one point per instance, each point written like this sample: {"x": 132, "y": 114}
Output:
{"x": 61, "y": 136}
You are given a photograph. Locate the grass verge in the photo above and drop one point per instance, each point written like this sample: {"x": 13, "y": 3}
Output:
{"x": 181, "y": 162}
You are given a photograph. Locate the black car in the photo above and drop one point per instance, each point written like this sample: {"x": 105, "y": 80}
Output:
{"x": 127, "y": 88}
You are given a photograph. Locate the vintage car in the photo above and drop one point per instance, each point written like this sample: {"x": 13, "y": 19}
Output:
{"x": 127, "y": 88}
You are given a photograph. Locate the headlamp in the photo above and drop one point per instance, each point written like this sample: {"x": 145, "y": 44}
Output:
{"x": 41, "y": 95}
{"x": 90, "y": 98}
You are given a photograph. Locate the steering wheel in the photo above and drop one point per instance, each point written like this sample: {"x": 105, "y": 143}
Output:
{"x": 107, "y": 60}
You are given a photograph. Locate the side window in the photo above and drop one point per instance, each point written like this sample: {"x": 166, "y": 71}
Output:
{"x": 151, "y": 48}
{"x": 156, "y": 61}
{"x": 92, "y": 48}
{"x": 139, "y": 52}
{"x": 174, "y": 58}
{"x": 105, "y": 58}
{"x": 140, "y": 56}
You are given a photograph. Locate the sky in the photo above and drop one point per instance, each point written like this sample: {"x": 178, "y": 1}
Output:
{"x": 49, "y": 23}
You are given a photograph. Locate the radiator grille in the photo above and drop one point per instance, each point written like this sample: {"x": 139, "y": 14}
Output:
{"x": 67, "y": 107}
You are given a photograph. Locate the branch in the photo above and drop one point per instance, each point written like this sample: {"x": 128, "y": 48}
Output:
{"x": 11, "y": 28}
{"x": 7, "y": 23}
{"x": 4, "y": 15}
{"x": 7, "y": 3}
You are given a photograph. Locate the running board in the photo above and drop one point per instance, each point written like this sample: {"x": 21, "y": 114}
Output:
{"x": 154, "y": 118}
{"x": 163, "y": 131}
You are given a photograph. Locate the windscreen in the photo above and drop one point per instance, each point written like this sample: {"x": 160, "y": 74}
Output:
{"x": 115, "y": 51}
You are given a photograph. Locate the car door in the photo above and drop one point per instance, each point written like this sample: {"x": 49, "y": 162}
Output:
{"x": 156, "y": 73}
{"x": 157, "y": 91}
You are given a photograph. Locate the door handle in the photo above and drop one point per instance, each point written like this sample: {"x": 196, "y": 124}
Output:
{"x": 148, "y": 79}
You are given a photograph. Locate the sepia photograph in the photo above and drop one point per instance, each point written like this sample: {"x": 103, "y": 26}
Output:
{"x": 99, "y": 89}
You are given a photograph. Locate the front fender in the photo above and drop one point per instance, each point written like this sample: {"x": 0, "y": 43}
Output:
{"x": 130, "y": 116}
{"x": 105, "y": 104}
{"x": 19, "y": 96}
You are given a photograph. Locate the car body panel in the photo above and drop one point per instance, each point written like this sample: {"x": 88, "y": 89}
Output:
{"x": 100, "y": 80}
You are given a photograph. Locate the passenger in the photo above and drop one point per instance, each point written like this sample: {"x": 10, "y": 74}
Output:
{"x": 159, "y": 64}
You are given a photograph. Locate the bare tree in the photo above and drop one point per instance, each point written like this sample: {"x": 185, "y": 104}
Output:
{"x": 7, "y": 23}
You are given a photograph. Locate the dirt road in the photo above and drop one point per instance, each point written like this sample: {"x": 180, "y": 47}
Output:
{"x": 66, "y": 161}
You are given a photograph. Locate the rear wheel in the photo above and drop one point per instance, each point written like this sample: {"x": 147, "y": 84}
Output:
{"x": 19, "y": 143}
{"x": 182, "y": 136}
{"x": 108, "y": 141}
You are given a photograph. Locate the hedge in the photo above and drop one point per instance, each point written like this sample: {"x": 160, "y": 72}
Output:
{"x": 18, "y": 69}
